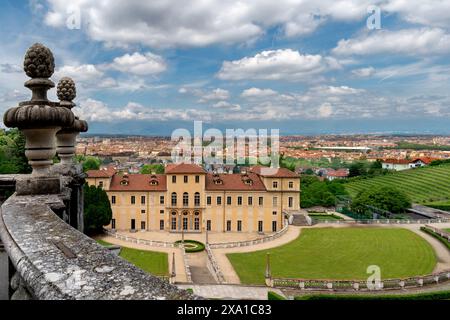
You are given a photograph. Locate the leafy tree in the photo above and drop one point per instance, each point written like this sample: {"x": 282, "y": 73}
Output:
{"x": 97, "y": 209}
{"x": 149, "y": 168}
{"x": 12, "y": 152}
{"x": 91, "y": 163}
{"x": 357, "y": 169}
{"x": 383, "y": 197}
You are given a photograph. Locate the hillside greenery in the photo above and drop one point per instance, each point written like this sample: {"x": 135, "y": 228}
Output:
{"x": 320, "y": 193}
{"x": 12, "y": 152}
{"x": 426, "y": 185}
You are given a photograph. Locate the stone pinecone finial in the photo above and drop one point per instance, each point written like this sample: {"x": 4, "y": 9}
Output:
{"x": 66, "y": 90}
{"x": 39, "y": 62}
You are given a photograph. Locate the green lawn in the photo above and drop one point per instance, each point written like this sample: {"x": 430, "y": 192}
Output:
{"x": 448, "y": 230}
{"x": 340, "y": 253}
{"x": 149, "y": 261}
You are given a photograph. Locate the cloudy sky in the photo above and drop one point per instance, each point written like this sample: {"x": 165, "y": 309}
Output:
{"x": 301, "y": 66}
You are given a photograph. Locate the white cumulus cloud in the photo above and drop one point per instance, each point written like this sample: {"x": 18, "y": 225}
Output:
{"x": 140, "y": 64}
{"x": 282, "y": 64}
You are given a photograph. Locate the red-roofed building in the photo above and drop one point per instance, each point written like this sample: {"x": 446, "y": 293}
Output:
{"x": 404, "y": 164}
{"x": 188, "y": 199}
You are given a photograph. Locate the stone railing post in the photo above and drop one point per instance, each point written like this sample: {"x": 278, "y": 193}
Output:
{"x": 268, "y": 274}
{"x": 173, "y": 274}
{"x": 39, "y": 120}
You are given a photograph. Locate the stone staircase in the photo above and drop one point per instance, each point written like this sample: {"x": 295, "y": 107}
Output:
{"x": 300, "y": 219}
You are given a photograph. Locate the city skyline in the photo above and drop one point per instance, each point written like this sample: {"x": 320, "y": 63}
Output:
{"x": 304, "y": 68}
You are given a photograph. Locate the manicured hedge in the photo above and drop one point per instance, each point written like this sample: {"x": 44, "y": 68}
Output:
{"x": 274, "y": 296}
{"x": 198, "y": 248}
{"x": 434, "y": 234}
{"x": 439, "y": 295}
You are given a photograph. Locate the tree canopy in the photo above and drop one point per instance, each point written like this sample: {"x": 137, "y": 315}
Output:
{"x": 97, "y": 209}
{"x": 383, "y": 197}
{"x": 12, "y": 152}
{"x": 152, "y": 168}
{"x": 320, "y": 193}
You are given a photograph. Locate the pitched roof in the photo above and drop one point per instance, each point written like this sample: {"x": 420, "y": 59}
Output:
{"x": 138, "y": 182}
{"x": 184, "y": 168}
{"x": 273, "y": 172}
{"x": 234, "y": 182}
{"x": 338, "y": 173}
{"x": 397, "y": 161}
{"x": 102, "y": 173}
{"x": 426, "y": 160}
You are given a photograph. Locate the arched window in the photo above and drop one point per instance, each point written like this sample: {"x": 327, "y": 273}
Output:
{"x": 197, "y": 199}
{"x": 185, "y": 199}
{"x": 174, "y": 198}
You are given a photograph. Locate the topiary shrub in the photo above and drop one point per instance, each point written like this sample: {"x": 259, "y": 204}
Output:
{"x": 191, "y": 246}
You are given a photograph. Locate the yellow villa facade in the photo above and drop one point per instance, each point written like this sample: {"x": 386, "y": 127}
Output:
{"x": 188, "y": 199}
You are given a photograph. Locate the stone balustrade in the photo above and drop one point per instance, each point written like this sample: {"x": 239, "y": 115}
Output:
{"x": 360, "y": 285}
{"x": 213, "y": 266}
{"x": 249, "y": 242}
{"x": 382, "y": 221}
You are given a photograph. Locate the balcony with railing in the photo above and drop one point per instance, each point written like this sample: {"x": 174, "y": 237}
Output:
{"x": 43, "y": 252}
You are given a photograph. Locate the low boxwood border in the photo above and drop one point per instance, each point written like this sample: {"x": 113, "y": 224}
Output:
{"x": 438, "y": 295}
{"x": 435, "y": 235}
{"x": 274, "y": 296}
{"x": 200, "y": 246}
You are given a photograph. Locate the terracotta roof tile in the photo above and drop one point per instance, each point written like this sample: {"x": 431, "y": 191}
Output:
{"x": 138, "y": 182}
{"x": 234, "y": 182}
{"x": 184, "y": 168}
{"x": 102, "y": 173}
{"x": 273, "y": 172}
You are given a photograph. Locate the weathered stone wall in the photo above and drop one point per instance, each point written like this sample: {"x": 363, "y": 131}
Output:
{"x": 56, "y": 261}
{"x": 4, "y": 281}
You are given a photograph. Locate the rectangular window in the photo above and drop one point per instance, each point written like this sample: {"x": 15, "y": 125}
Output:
{"x": 133, "y": 224}
{"x": 239, "y": 225}
{"x": 208, "y": 225}
{"x": 274, "y": 213}
{"x": 275, "y": 201}
{"x": 113, "y": 199}
{"x": 261, "y": 201}
{"x": 197, "y": 179}
{"x": 174, "y": 179}
{"x": 208, "y": 200}
{"x": 142, "y": 199}
{"x": 239, "y": 201}
{"x": 173, "y": 223}
{"x": 185, "y": 223}
{"x": 161, "y": 211}
{"x": 161, "y": 199}
{"x": 291, "y": 184}
{"x": 196, "y": 223}
{"x": 100, "y": 184}
{"x": 113, "y": 223}
{"x": 260, "y": 226}
{"x": 185, "y": 179}
{"x": 133, "y": 199}
{"x": 142, "y": 211}
{"x": 290, "y": 202}
{"x": 274, "y": 226}
{"x": 219, "y": 200}
{"x": 275, "y": 184}
{"x": 250, "y": 201}
{"x": 142, "y": 225}
{"x": 228, "y": 200}
{"x": 161, "y": 224}
{"x": 228, "y": 225}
